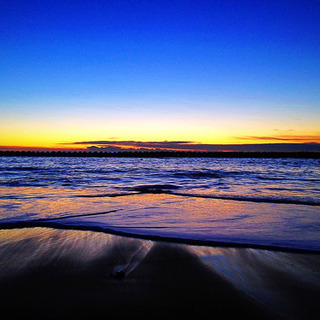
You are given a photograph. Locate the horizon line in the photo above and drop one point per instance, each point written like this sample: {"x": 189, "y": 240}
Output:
{"x": 182, "y": 146}
{"x": 165, "y": 153}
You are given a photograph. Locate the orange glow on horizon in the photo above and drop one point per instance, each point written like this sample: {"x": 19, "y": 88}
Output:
{"x": 64, "y": 135}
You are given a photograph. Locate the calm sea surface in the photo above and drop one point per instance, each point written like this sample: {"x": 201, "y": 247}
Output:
{"x": 269, "y": 201}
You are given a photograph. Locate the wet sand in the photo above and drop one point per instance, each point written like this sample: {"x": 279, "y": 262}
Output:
{"x": 59, "y": 274}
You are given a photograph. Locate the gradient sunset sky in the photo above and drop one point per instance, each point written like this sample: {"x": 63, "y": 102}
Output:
{"x": 77, "y": 74}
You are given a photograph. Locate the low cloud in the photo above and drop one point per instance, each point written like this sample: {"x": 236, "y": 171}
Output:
{"x": 118, "y": 146}
{"x": 137, "y": 145}
{"x": 115, "y": 146}
{"x": 289, "y": 138}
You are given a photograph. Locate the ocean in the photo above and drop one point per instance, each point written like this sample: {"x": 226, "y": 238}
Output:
{"x": 246, "y": 202}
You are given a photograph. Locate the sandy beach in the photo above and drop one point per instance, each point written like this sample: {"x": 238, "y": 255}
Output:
{"x": 60, "y": 274}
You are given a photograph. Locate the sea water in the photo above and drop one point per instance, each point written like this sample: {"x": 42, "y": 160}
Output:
{"x": 243, "y": 201}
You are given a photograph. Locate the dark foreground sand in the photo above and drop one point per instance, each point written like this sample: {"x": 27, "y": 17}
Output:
{"x": 56, "y": 274}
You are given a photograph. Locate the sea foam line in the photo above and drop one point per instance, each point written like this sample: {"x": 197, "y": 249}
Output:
{"x": 155, "y": 190}
{"x": 118, "y": 230}
{"x": 249, "y": 199}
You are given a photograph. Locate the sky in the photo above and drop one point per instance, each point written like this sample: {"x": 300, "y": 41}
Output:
{"x": 159, "y": 74}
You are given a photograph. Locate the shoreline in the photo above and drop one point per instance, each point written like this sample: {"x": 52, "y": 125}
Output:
{"x": 44, "y": 223}
{"x": 64, "y": 274}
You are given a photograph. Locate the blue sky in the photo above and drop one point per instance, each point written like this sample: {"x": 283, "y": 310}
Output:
{"x": 204, "y": 64}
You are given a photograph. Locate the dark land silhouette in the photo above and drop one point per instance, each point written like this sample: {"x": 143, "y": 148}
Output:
{"x": 161, "y": 154}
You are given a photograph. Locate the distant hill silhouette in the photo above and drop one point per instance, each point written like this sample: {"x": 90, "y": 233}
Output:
{"x": 161, "y": 154}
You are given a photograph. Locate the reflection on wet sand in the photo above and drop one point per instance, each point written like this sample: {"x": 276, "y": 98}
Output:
{"x": 289, "y": 283}
{"x": 80, "y": 274}
{"x": 23, "y": 249}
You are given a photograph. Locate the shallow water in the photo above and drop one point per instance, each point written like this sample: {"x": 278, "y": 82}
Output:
{"x": 273, "y": 202}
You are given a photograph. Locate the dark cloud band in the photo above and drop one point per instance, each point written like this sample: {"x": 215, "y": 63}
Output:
{"x": 112, "y": 146}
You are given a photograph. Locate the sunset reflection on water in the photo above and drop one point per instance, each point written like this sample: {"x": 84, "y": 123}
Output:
{"x": 171, "y": 215}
